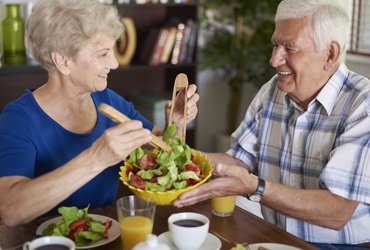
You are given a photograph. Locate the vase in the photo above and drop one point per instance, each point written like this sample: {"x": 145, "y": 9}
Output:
{"x": 13, "y": 36}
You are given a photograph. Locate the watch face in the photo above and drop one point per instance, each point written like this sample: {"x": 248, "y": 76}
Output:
{"x": 255, "y": 197}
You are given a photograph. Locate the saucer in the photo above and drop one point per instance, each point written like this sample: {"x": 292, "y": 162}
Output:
{"x": 211, "y": 242}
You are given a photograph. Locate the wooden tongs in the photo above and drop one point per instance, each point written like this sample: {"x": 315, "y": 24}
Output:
{"x": 118, "y": 117}
{"x": 180, "y": 100}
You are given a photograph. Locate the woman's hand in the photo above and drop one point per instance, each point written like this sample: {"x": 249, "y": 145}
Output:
{"x": 118, "y": 142}
{"x": 178, "y": 112}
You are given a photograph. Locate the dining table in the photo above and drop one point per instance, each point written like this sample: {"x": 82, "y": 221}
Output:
{"x": 241, "y": 227}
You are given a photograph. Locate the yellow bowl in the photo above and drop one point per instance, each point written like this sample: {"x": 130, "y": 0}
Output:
{"x": 167, "y": 197}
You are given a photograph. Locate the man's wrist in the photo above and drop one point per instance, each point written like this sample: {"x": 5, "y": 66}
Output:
{"x": 257, "y": 195}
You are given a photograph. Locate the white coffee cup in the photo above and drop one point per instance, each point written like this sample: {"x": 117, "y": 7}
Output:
{"x": 188, "y": 230}
{"x": 47, "y": 242}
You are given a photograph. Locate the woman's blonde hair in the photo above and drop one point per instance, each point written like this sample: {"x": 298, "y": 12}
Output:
{"x": 64, "y": 25}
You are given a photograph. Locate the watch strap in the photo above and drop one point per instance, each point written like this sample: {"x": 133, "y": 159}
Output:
{"x": 260, "y": 188}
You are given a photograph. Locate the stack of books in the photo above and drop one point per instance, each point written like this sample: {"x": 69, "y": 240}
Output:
{"x": 171, "y": 44}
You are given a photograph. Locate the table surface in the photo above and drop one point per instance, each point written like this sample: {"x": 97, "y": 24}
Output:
{"x": 242, "y": 226}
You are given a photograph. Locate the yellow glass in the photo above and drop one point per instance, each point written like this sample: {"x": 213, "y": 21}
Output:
{"x": 134, "y": 229}
{"x": 223, "y": 206}
{"x": 136, "y": 217}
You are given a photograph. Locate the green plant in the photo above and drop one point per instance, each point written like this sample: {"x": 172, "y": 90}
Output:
{"x": 238, "y": 42}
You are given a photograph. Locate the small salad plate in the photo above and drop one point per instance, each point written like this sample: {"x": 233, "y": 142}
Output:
{"x": 113, "y": 232}
{"x": 211, "y": 242}
{"x": 272, "y": 246}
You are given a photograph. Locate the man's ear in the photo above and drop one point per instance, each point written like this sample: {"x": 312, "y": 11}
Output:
{"x": 61, "y": 62}
{"x": 332, "y": 55}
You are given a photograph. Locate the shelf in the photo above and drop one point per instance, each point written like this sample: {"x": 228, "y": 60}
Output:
{"x": 144, "y": 5}
{"x": 3, "y": 2}
{"x": 137, "y": 77}
{"x": 35, "y": 68}
{"x": 23, "y": 68}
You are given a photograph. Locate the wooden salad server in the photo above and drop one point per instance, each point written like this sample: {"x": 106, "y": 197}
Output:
{"x": 180, "y": 89}
{"x": 118, "y": 117}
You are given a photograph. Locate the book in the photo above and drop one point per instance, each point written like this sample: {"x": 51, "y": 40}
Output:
{"x": 168, "y": 46}
{"x": 185, "y": 40}
{"x": 191, "y": 43}
{"x": 176, "y": 47}
{"x": 145, "y": 52}
{"x": 159, "y": 45}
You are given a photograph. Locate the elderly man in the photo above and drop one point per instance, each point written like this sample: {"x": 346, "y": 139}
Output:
{"x": 305, "y": 136}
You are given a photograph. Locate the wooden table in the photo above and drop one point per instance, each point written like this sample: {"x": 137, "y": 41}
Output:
{"x": 242, "y": 226}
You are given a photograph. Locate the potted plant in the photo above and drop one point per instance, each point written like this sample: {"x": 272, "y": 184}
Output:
{"x": 238, "y": 42}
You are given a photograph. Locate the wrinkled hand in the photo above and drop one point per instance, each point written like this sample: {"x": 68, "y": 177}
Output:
{"x": 178, "y": 112}
{"x": 230, "y": 180}
{"x": 118, "y": 142}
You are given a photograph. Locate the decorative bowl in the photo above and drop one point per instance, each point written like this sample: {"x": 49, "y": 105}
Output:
{"x": 167, "y": 197}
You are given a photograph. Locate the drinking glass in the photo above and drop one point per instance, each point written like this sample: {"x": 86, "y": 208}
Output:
{"x": 223, "y": 206}
{"x": 136, "y": 217}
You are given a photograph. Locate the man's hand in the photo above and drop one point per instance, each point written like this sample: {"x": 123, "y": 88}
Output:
{"x": 229, "y": 180}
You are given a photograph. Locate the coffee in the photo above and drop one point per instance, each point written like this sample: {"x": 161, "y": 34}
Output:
{"x": 53, "y": 247}
{"x": 188, "y": 230}
{"x": 188, "y": 223}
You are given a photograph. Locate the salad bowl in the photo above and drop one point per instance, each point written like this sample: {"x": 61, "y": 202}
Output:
{"x": 169, "y": 196}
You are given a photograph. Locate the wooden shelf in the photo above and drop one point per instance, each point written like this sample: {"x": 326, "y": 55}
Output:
{"x": 124, "y": 80}
{"x": 134, "y": 78}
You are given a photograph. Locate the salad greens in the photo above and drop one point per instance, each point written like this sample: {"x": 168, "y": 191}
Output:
{"x": 158, "y": 170}
{"x": 238, "y": 247}
{"x": 77, "y": 225}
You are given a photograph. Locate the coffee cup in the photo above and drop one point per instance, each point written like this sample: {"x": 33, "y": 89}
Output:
{"x": 188, "y": 230}
{"x": 50, "y": 243}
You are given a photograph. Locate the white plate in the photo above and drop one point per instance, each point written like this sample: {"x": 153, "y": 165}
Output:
{"x": 211, "y": 242}
{"x": 272, "y": 246}
{"x": 113, "y": 232}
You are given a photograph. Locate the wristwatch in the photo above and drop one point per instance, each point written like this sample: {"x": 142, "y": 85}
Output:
{"x": 257, "y": 196}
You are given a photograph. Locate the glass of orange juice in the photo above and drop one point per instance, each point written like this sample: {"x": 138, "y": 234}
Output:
{"x": 136, "y": 217}
{"x": 223, "y": 206}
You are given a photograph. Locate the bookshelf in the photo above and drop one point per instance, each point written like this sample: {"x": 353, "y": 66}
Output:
{"x": 134, "y": 79}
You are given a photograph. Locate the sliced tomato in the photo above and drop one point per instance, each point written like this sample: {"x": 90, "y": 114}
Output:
{"x": 154, "y": 179}
{"x": 107, "y": 224}
{"x": 137, "y": 181}
{"x": 148, "y": 161}
{"x": 79, "y": 225}
{"x": 132, "y": 170}
{"x": 72, "y": 236}
{"x": 193, "y": 167}
{"x": 105, "y": 235}
{"x": 191, "y": 182}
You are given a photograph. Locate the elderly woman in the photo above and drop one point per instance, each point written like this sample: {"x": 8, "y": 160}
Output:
{"x": 56, "y": 149}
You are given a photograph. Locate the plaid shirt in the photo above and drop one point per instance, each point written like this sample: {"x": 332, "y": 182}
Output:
{"x": 325, "y": 146}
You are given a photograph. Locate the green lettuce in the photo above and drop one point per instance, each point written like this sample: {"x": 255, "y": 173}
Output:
{"x": 170, "y": 170}
{"x": 95, "y": 232}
